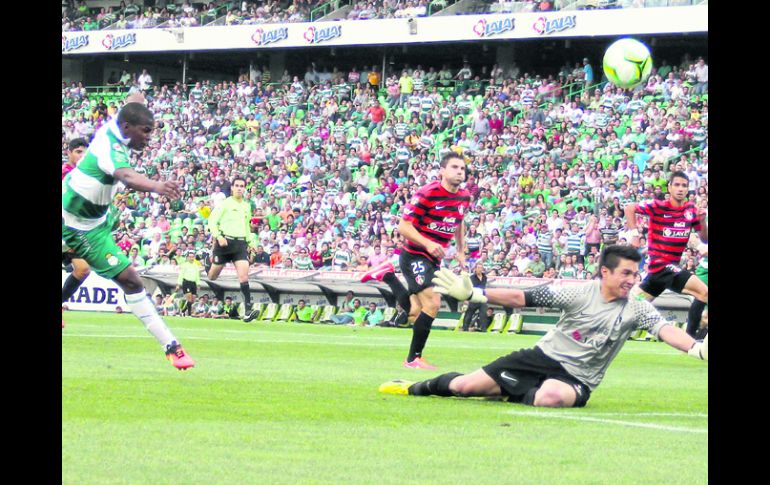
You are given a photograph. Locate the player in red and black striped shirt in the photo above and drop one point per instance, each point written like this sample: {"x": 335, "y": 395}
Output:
{"x": 429, "y": 222}
{"x": 669, "y": 230}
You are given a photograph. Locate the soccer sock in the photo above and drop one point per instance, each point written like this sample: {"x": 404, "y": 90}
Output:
{"x": 438, "y": 386}
{"x": 246, "y": 296}
{"x": 420, "y": 332}
{"x": 70, "y": 285}
{"x": 452, "y": 303}
{"x": 142, "y": 307}
{"x": 402, "y": 296}
{"x": 693, "y": 317}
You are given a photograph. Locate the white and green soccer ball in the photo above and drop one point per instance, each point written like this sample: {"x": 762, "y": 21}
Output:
{"x": 627, "y": 63}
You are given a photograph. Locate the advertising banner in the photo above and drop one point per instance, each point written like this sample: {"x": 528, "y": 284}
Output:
{"x": 96, "y": 294}
{"x": 581, "y": 23}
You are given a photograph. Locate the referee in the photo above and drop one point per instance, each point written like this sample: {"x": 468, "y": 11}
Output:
{"x": 229, "y": 224}
{"x": 189, "y": 279}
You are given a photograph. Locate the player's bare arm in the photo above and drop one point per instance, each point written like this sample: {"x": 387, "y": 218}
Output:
{"x": 704, "y": 227}
{"x": 630, "y": 212}
{"x": 141, "y": 183}
{"x": 407, "y": 230}
{"x": 460, "y": 245}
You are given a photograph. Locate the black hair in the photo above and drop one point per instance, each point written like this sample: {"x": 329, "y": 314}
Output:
{"x": 612, "y": 254}
{"x": 76, "y": 143}
{"x": 135, "y": 114}
{"x": 237, "y": 178}
{"x": 678, "y": 174}
{"x": 445, "y": 159}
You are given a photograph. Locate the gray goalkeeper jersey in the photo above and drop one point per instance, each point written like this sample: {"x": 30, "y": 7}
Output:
{"x": 591, "y": 331}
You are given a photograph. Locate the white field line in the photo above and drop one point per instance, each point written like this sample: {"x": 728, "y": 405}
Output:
{"x": 358, "y": 339}
{"x": 335, "y": 340}
{"x": 635, "y": 424}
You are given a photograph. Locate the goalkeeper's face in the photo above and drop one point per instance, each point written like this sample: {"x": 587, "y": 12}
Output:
{"x": 620, "y": 280}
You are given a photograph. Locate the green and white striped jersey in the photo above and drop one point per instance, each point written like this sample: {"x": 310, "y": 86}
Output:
{"x": 89, "y": 188}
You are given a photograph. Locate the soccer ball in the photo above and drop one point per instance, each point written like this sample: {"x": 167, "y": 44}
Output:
{"x": 627, "y": 63}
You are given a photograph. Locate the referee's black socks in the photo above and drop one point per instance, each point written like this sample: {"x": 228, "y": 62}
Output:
{"x": 401, "y": 294}
{"x": 438, "y": 386}
{"x": 420, "y": 332}
{"x": 246, "y": 296}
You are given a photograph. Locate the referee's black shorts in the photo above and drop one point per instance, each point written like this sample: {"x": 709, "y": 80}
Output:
{"x": 189, "y": 287}
{"x": 418, "y": 270}
{"x": 520, "y": 371}
{"x": 671, "y": 277}
{"x": 236, "y": 250}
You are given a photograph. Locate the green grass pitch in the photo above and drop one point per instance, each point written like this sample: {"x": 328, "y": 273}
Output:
{"x": 297, "y": 403}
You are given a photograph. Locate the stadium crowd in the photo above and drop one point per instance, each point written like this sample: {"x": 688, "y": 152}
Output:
{"x": 131, "y": 14}
{"x": 330, "y": 160}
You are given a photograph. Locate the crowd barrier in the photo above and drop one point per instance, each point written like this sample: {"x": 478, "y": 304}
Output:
{"x": 285, "y": 287}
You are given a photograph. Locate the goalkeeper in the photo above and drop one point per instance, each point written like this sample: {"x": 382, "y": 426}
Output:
{"x": 570, "y": 361}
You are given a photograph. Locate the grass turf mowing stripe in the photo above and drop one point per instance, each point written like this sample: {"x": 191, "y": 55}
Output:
{"x": 609, "y": 421}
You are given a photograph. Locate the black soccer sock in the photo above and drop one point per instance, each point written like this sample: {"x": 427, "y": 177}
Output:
{"x": 452, "y": 303}
{"x": 70, "y": 285}
{"x": 420, "y": 332}
{"x": 401, "y": 294}
{"x": 694, "y": 316}
{"x": 246, "y": 296}
{"x": 438, "y": 386}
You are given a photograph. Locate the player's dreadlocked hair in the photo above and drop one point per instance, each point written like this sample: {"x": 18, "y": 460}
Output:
{"x": 135, "y": 114}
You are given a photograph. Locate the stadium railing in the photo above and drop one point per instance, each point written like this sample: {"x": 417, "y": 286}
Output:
{"x": 327, "y": 8}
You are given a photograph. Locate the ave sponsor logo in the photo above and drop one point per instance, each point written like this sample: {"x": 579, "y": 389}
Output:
{"x": 483, "y": 28}
{"x": 315, "y": 36}
{"x": 543, "y": 26}
{"x": 114, "y": 42}
{"x": 73, "y": 43}
{"x": 264, "y": 37}
{"x": 681, "y": 234}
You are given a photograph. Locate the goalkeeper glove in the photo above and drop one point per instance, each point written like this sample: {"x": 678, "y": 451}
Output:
{"x": 700, "y": 349}
{"x": 458, "y": 287}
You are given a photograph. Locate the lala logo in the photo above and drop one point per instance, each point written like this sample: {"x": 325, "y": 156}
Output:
{"x": 114, "y": 42}
{"x": 73, "y": 43}
{"x": 482, "y": 28}
{"x": 314, "y": 36}
{"x": 261, "y": 37}
{"x": 543, "y": 26}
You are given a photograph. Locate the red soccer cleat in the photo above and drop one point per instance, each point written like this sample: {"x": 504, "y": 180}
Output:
{"x": 419, "y": 363}
{"x": 62, "y": 318}
{"x": 378, "y": 272}
{"x": 178, "y": 357}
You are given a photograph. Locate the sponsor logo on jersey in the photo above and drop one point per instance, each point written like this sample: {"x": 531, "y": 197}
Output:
{"x": 111, "y": 259}
{"x": 264, "y": 37}
{"x": 70, "y": 43}
{"x": 114, "y": 42}
{"x": 543, "y": 26}
{"x": 483, "y": 28}
{"x": 669, "y": 233}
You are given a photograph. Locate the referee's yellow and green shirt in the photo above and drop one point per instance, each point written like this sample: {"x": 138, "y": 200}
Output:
{"x": 231, "y": 218}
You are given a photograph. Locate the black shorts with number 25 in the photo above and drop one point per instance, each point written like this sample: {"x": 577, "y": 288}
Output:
{"x": 418, "y": 270}
{"x": 236, "y": 250}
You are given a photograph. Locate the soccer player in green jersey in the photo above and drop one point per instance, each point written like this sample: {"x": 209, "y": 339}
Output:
{"x": 87, "y": 192}
{"x": 570, "y": 361}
